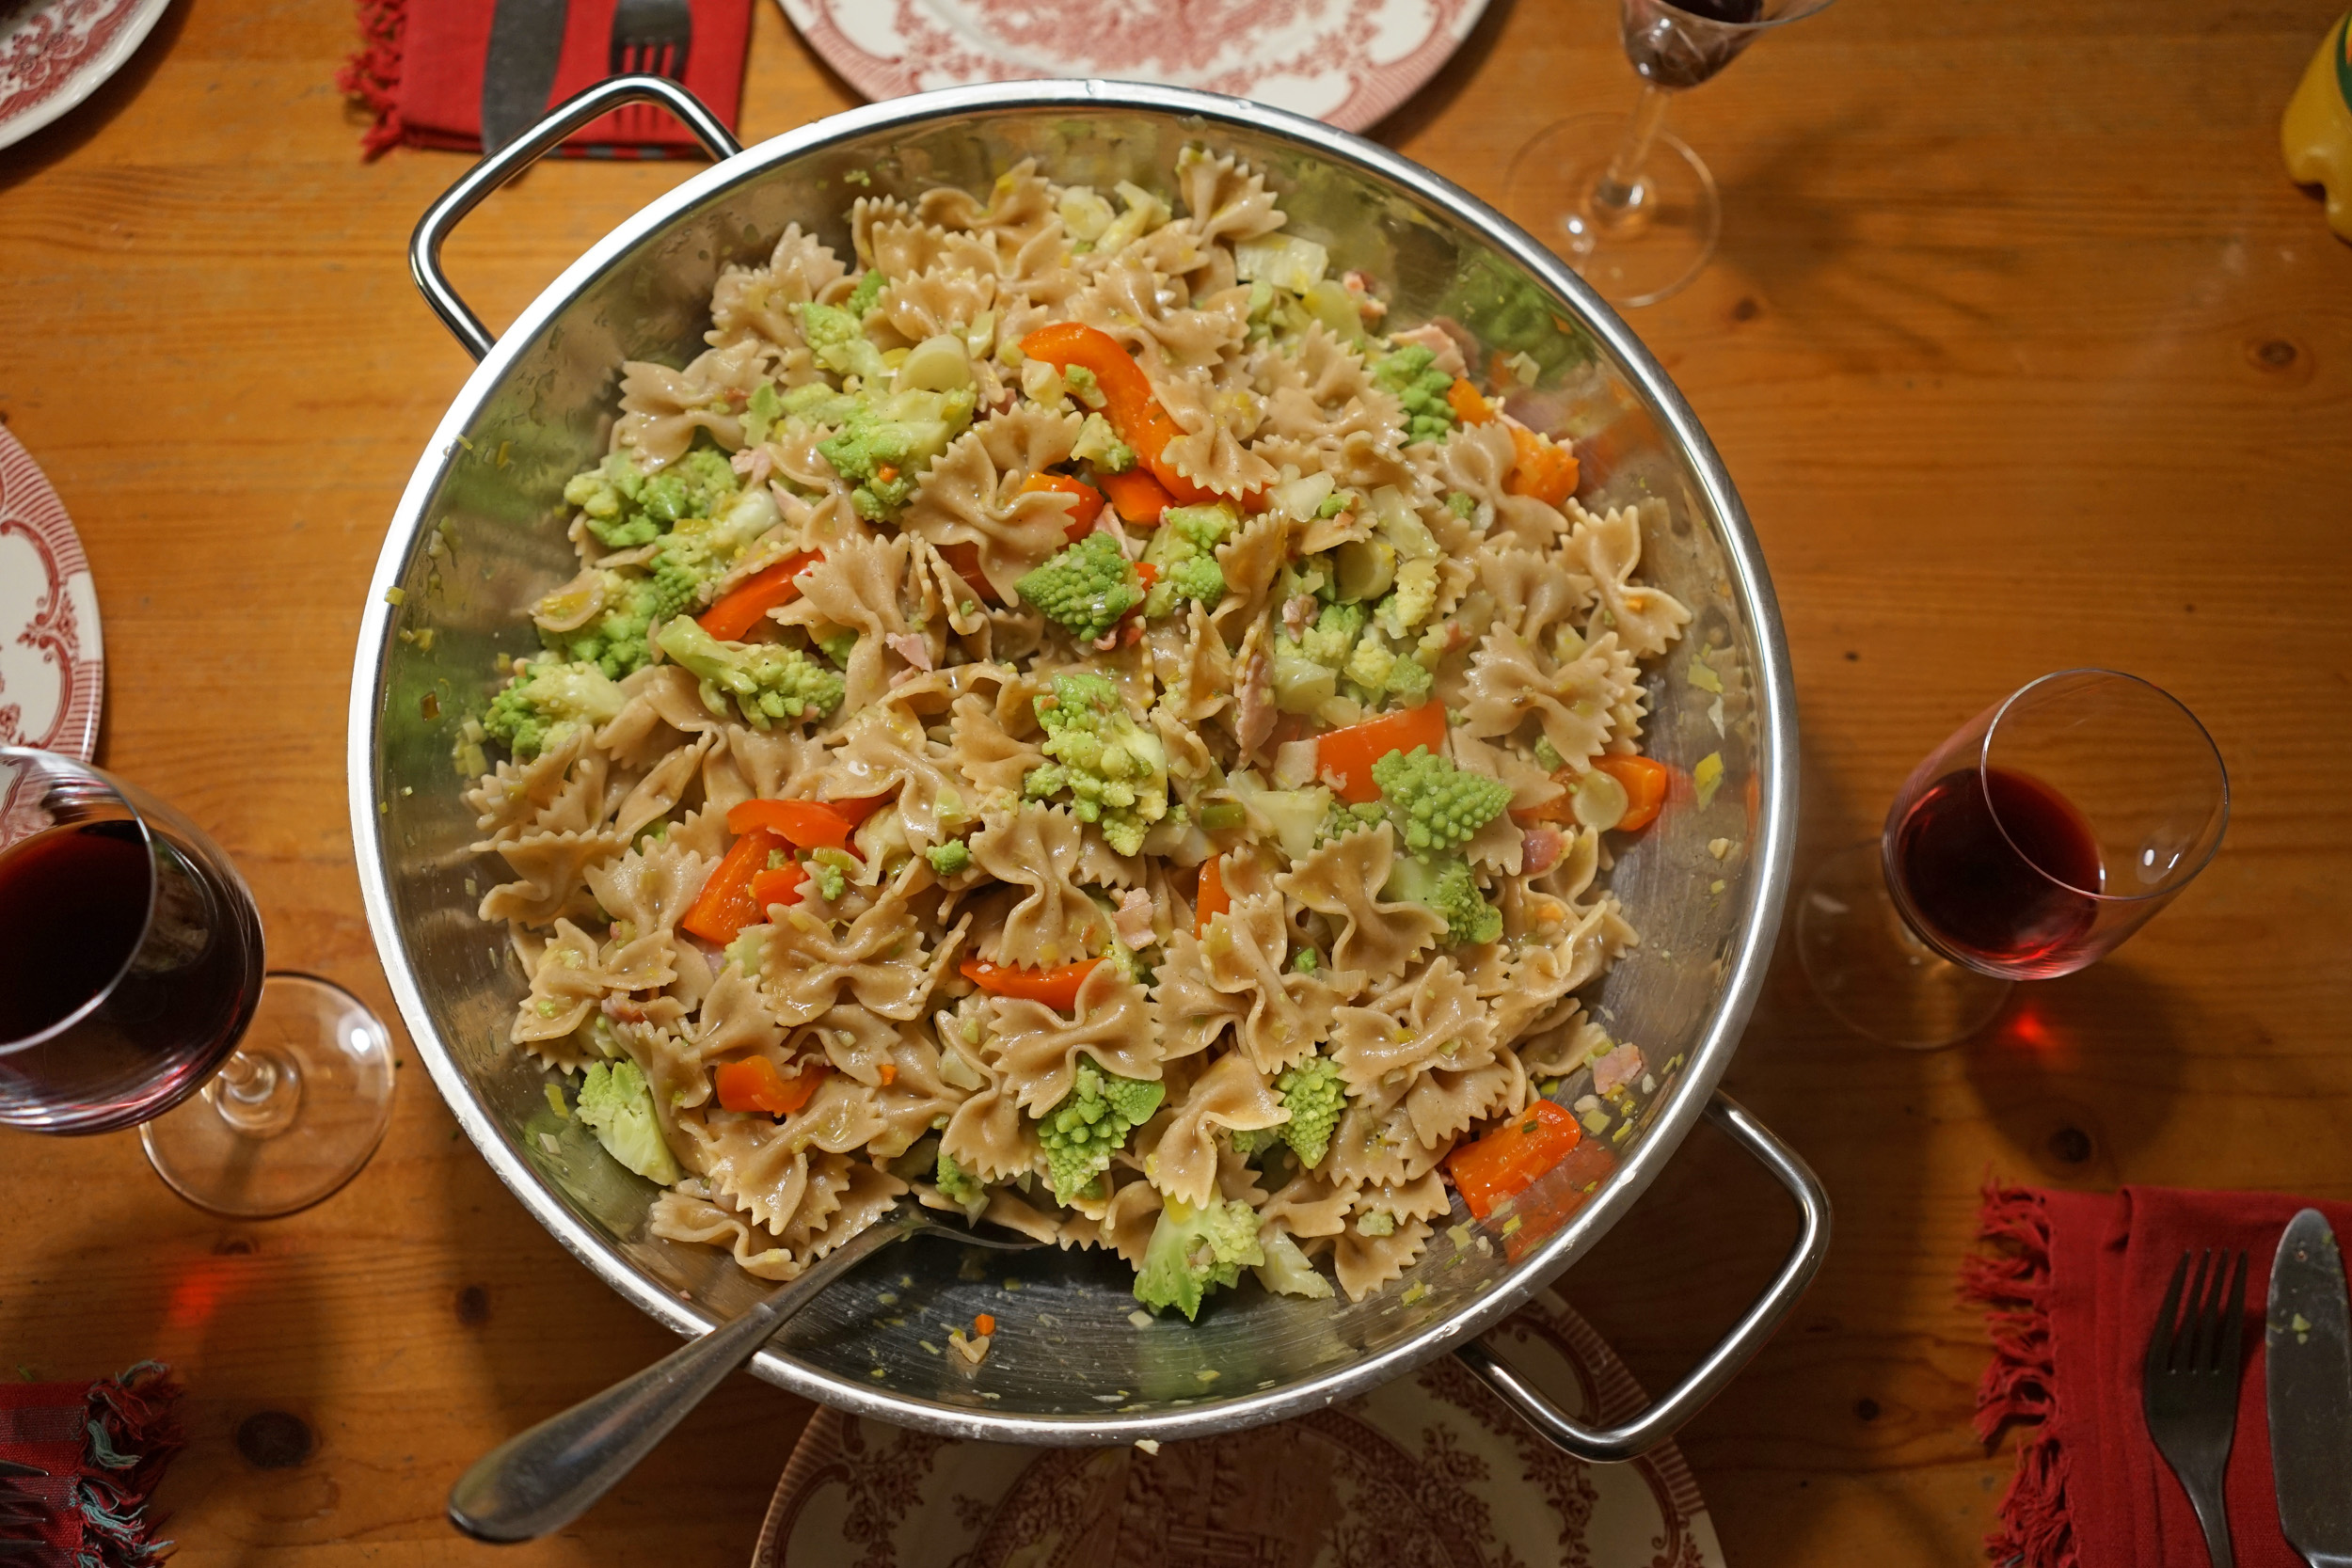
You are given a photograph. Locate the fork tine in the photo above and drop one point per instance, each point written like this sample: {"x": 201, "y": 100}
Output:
{"x": 2195, "y": 1338}
{"x": 2233, "y": 1321}
{"x": 2160, "y": 1338}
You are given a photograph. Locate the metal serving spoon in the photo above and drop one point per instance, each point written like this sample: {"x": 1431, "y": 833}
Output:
{"x": 542, "y": 1480}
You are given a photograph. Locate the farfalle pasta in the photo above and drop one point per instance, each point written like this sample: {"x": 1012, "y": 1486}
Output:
{"x": 1066, "y": 714}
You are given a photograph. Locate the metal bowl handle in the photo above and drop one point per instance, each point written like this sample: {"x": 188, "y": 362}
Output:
{"x": 1653, "y": 1426}
{"x": 425, "y": 247}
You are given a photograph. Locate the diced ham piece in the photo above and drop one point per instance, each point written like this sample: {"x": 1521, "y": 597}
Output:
{"x": 1540, "y": 850}
{"x": 1440, "y": 343}
{"x": 1134, "y": 920}
{"x": 1254, "y": 714}
{"x": 755, "y": 465}
{"x": 1296, "y": 611}
{"x": 911, "y": 647}
{"x": 1614, "y": 1072}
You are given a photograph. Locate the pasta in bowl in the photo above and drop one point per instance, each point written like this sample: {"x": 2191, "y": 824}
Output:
{"x": 1061, "y": 714}
{"x": 1067, "y": 619}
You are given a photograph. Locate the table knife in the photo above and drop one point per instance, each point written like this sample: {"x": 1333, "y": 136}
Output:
{"x": 517, "y": 74}
{"x": 2308, "y": 1353}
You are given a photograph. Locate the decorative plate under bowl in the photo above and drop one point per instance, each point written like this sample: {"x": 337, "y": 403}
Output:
{"x": 1430, "y": 1471}
{"x": 52, "y": 668}
{"x": 1346, "y": 62}
{"x": 55, "y": 53}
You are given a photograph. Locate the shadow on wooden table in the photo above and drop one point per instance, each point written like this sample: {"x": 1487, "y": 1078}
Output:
{"x": 71, "y": 131}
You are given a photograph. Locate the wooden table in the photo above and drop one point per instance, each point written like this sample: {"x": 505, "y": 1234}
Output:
{"x": 2021, "y": 347}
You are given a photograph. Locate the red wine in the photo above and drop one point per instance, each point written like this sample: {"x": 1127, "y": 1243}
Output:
{"x": 1671, "y": 49}
{"x": 169, "y": 950}
{"x": 1997, "y": 872}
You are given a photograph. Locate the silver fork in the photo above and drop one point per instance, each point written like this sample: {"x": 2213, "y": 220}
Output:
{"x": 650, "y": 38}
{"x": 19, "y": 1511}
{"x": 543, "y": 1479}
{"x": 2189, "y": 1386}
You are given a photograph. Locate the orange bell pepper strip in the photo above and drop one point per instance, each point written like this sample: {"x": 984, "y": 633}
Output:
{"x": 803, "y": 824}
{"x": 1057, "y": 987}
{"x": 1466, "y": 404}
{"x": 1645, "y": 780}
{"x": 779, "y": 886}
{"x": 1138, "y": 498}
{"x": 1081, "y": 515}
{"x": 726, "y": 904}
{"x": 1127, "y": 399}
{"x": 1213, "y": 899}
{"x": 963, "y": 559}
{"x": 739, "y": 610}
{"x": 1514, "y": 1157}
{"x": 1344, "y": 757}
{"x": 1545, "y": 469}
{"x": 755, "y": 1085}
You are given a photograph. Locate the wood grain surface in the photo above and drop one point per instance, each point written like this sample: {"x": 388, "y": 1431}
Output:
{"x": 2020, "y": 346}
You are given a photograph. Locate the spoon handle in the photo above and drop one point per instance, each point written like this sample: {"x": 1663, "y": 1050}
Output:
{"x": 542, "y": 1479}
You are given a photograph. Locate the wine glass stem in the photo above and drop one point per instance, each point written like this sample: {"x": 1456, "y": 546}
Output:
{"x": 1620, "y": 185}
{"x": 254, "y": 1093}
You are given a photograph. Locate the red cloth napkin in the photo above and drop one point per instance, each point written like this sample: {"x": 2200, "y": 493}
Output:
{"x": 2072, "y": 1297}
{"x": 104, "y": 1445}
{"x": 419, "y": 68}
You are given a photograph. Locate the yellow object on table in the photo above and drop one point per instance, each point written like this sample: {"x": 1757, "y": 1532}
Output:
{"x": 2316, "y": 134}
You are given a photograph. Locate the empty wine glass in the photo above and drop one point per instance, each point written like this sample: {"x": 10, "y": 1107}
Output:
{"x": 2029, "y": 845}
{"x": 132, "y": 993}
{"x": 1625, "y": 204}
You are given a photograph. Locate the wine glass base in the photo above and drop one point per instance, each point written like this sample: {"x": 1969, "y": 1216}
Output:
{"x": 293, "y": 1116}
{"x": 1660, "y": 241}
{"x": 1869, "y": 968}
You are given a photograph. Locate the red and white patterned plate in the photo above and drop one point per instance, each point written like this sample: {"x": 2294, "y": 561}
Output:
{"x": 1347, "y": 62}
{"x": 53, "y": 669}
{"x": 55, "y": 53}
{"x": 1431, "y": 1471}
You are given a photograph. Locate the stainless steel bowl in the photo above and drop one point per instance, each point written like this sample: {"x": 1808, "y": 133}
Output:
{"x": 479, "y": 534}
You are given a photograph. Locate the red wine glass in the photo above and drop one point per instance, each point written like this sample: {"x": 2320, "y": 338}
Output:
{"x": 2030, "y": 843}
{"x": 1627, "y": 204}
{"x": 131, "y": 993}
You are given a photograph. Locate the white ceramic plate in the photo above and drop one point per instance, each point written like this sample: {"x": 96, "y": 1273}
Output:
{"x": 1347, "y": 62}
{"x": 1430, "y": 1471}
{"x": 55, "y": 53}
{"x": 52, "y": 668}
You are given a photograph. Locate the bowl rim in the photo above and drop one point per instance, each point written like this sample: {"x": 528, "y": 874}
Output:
{"x": 1773, "y": 839}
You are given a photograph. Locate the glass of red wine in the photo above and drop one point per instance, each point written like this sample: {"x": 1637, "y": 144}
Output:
{"x": 1627, "y": 204}
{"x": 131, "y": 993}
{"x": 2030, "y": 843}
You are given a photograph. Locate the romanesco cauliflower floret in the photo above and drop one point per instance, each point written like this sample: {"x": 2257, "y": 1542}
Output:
{"x": 1435, "y": 804}
{"x": 868, "y": 289}
{"x": 1334, "y": 635}
{"x": 948, "y": 858}
{"x": 606, "y": 496}
{"x": 1369, "y": 662}
{"x": 958, "y": 1185}
{"x": 1100, "y": 445}
{"x": 616, "y": 1104}
{"x": 1192, "y": 1251}
{"x": 1413, "y": 599}
{"x": 838, "y": 342}
{"x": 881, "y": 447}
{"x": 1086, "y": 588}
{"x": 768, "y": 680}
{"x": 1413, "y": 375}
{"x": 615, "y": 638}
{"x": 549, "y": 700}
{"x": 1183, "y": 549}
{"x": 698, "y": 552}
{"x": 1114, "y": 770}
{"x": 1313, "y": 1094}
{"x": 827, "y": 874}
{"x": 1445, "y": 885}
{"x": 1081, "y": 1134}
